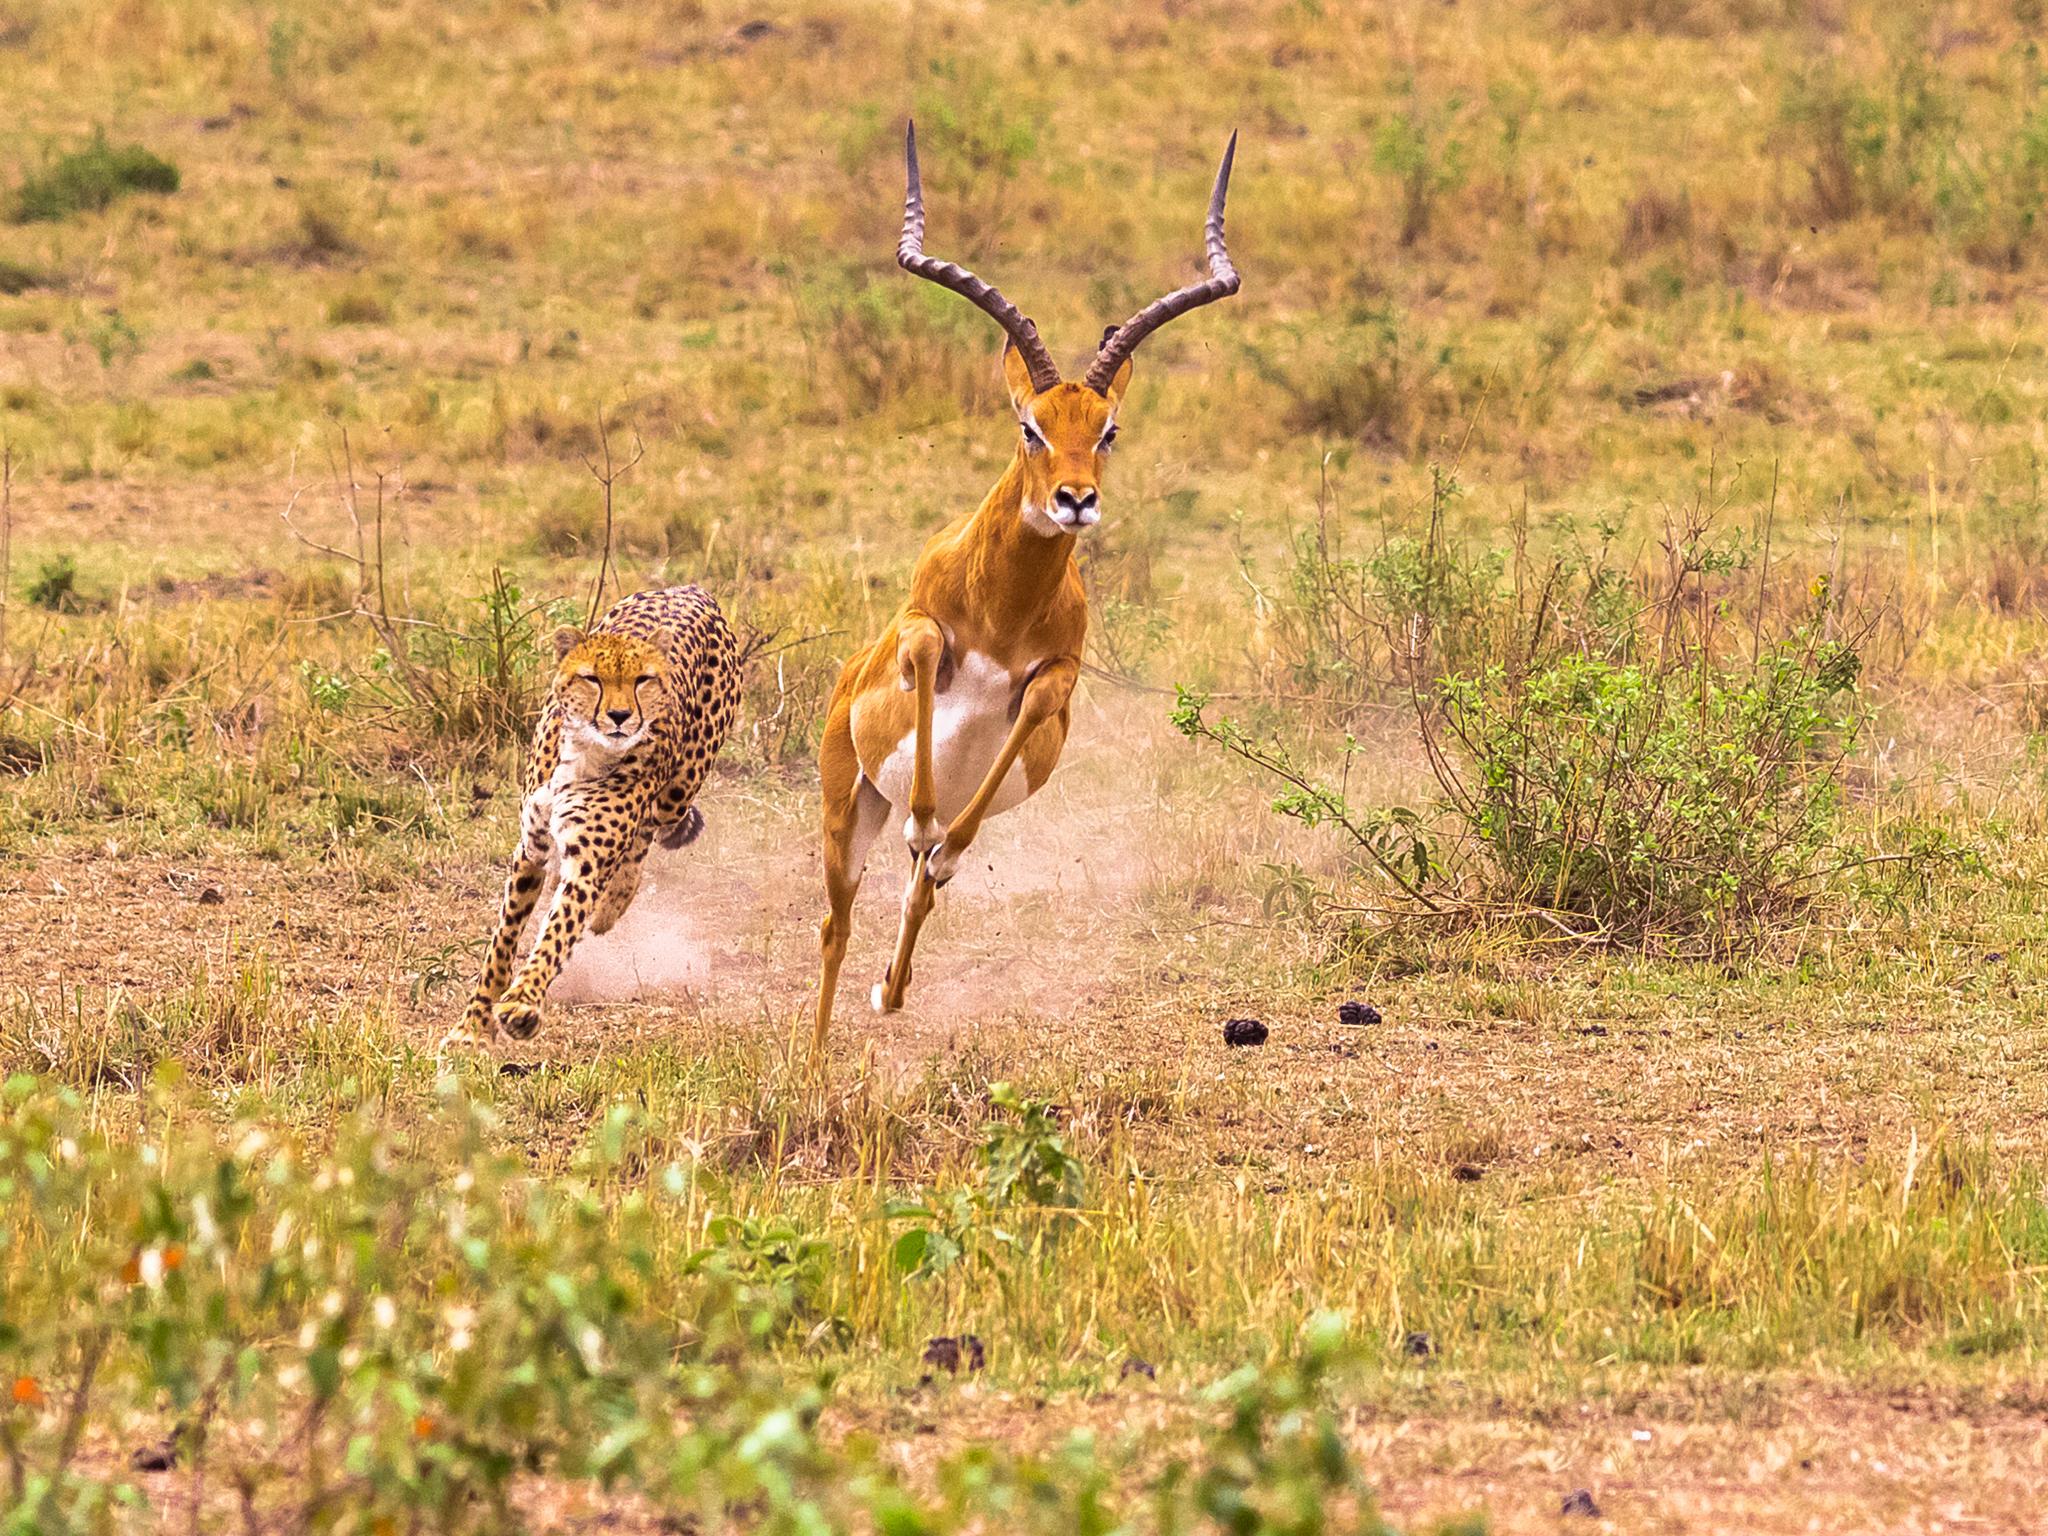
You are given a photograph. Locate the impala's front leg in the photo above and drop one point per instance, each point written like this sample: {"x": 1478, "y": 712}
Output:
{"x": 1045, "y": 695}
{"x": 919, "y": 654}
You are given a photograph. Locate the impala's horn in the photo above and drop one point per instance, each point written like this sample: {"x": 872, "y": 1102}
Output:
{"x": 1122, "y": 340}
{"x": 911, "y": 257}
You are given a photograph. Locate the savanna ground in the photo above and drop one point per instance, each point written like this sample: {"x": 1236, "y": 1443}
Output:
{"x": 1735, "y": 1226}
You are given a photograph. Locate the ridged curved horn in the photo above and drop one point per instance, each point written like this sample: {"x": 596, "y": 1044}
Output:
{"x": 911, "y": 257}
{"x": 1123, "y": 340}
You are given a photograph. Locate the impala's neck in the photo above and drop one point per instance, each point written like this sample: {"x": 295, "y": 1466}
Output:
{"x": 1013, "y": 572}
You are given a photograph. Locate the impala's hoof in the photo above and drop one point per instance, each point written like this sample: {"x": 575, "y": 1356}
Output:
{"x": 519, "y": 1021}
{"x": 879, "y": 998}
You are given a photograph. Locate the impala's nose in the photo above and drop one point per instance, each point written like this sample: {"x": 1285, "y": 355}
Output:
{"x": 1074, "y": 507}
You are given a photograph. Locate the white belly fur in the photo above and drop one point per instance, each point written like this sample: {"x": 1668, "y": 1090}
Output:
{"x": 970, "y": 722}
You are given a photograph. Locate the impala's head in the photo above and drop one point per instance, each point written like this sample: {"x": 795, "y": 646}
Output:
{"x": 610, "y": 689}
{"x": 1067, "y": 429}
{"x": 1065, "y": 435}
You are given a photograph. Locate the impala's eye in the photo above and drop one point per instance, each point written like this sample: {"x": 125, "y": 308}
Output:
{"x": 1108, "y": 439}
{"x": 1032, "y": 441}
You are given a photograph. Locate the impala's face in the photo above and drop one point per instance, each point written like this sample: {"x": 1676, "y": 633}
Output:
{"x": 610, "y": 687}
{"x": 1067, "y": 435}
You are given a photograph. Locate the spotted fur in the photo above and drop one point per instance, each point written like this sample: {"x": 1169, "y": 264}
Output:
{"x": 637, "y": 711}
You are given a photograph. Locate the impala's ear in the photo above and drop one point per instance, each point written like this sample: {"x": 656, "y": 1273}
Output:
{"x": 1122, "y": 380}
{"x": 567, "y": 638}
{"x": 1017, "y": 376}
{"x": 1119, "y": 384}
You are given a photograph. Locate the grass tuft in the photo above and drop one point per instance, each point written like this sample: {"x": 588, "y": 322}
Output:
{"x": 90, "y": 179}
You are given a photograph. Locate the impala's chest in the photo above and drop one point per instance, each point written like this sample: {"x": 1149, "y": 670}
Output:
{"x": 970, "y": 721}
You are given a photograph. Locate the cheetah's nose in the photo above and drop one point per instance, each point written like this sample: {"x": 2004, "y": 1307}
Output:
{"x": 619, "y": 716}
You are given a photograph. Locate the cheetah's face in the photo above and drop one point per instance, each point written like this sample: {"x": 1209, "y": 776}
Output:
{"x": 611, "y": 688}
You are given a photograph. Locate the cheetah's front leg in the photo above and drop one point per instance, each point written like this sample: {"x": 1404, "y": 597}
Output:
{"x": 624, "y": 884}
{"x": 590, "y": 860}
{"x": 522, "y": 890}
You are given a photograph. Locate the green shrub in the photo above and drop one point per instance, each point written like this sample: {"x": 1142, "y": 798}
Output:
{"x": 1654, "y": 799}
{"x": 15, "y": 279}
{"x": 55, "y": 586}
{"x": 397, "y": 1333}
{"x": 1656, "y": 760}
{"x": 91, "y": 178}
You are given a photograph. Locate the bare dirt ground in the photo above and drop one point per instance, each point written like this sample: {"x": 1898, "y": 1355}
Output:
{"x": 1805, "y": 1457}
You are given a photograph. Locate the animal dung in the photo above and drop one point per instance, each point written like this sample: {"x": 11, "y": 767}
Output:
{"x": 157, "y": 1456}
{"x": 1357, "y": 1015}
{"x": 1419, "y": 1346}
{"x": 1580, "y": 1502}
{"x": 1244, "y": 1032}
{"x": 1133, "y": 1366}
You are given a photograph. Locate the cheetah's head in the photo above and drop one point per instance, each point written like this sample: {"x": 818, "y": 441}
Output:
{"x": 611, "y": 688}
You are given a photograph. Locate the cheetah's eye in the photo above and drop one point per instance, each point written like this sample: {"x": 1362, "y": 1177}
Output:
{"x": 586, "y": 677}
{"x": 643, "y": 679}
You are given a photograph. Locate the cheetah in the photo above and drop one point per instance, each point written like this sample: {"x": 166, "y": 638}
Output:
{"x": 636, "y": 712}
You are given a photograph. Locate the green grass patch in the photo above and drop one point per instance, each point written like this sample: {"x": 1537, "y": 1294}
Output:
{"x": 90, "y": 179}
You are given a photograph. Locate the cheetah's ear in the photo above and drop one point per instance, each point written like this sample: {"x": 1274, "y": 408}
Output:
{"x": 567, "y": 638}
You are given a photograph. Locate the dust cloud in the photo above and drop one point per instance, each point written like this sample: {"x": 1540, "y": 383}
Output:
{"x": 1036, "y": 921}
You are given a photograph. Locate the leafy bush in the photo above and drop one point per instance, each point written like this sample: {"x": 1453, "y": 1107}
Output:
{"x": 55, "y": 586}
{"x": 1615, "y": 752}
{"x": 402, "y": 1334}
{"x": 1029, "y": 1180}
{"x": 91, "y": 178}
{"x": 1655, "y": 800}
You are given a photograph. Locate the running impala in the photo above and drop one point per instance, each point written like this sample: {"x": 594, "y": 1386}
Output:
{"x": 959, "y": 709}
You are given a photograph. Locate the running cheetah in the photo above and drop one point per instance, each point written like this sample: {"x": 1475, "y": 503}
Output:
{"x": 637, "y": 710}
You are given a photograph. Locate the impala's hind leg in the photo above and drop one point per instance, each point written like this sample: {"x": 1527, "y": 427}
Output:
{"x": 854, "y": 813}
{"x": 918, "y": 897}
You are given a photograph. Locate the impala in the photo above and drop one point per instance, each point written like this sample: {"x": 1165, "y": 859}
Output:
{"x": 959, "y": 709}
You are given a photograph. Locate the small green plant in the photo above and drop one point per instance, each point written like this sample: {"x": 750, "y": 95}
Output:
{"x": 1417, "y": 149}
{"x": 16, "y": 279}
{"x": 89, "y": 179}
{"x": 1028, "y": 1177}
{"x": 55, "y": 585}
{"x": 112, "y": 337}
